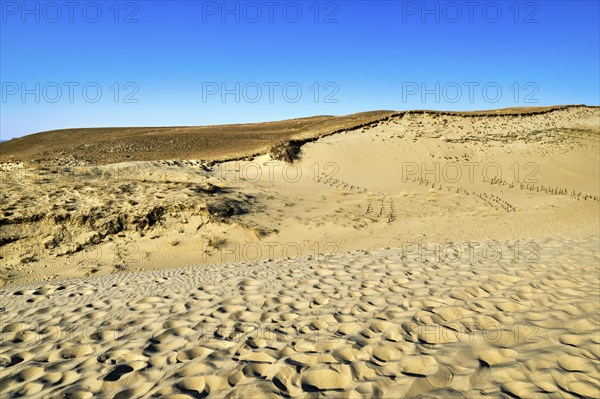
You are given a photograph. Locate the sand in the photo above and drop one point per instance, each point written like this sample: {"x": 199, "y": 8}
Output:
{"x": 357, "y": 324}
{"x": 383, "y": 185}
{"x": 365, "y": 268}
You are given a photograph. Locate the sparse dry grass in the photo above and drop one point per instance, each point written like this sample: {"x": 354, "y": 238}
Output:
{"x": 112, "y": 145}
{"x": 216, "y": 242}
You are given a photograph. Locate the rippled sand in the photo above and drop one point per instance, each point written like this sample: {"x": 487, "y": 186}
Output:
{"x": 358, "y": 324}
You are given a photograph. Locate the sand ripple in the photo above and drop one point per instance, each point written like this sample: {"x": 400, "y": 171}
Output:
{"x": 359, "y": 324}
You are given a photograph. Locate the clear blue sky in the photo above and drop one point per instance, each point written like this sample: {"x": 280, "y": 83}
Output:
{"x": 166, "y": 63}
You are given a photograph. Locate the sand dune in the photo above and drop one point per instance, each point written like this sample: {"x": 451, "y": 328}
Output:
{"x": 386, "y": 254}
{"x": 473, "y": 178}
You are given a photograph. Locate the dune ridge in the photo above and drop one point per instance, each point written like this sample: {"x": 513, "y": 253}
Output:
{"x": 211, "y": 143}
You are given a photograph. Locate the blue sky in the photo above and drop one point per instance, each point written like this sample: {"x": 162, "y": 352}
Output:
{"x": 157, "y": 63}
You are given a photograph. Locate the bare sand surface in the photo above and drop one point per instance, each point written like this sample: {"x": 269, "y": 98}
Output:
{"x": 418, "y": 255}
{"x": 356, "y": 324}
